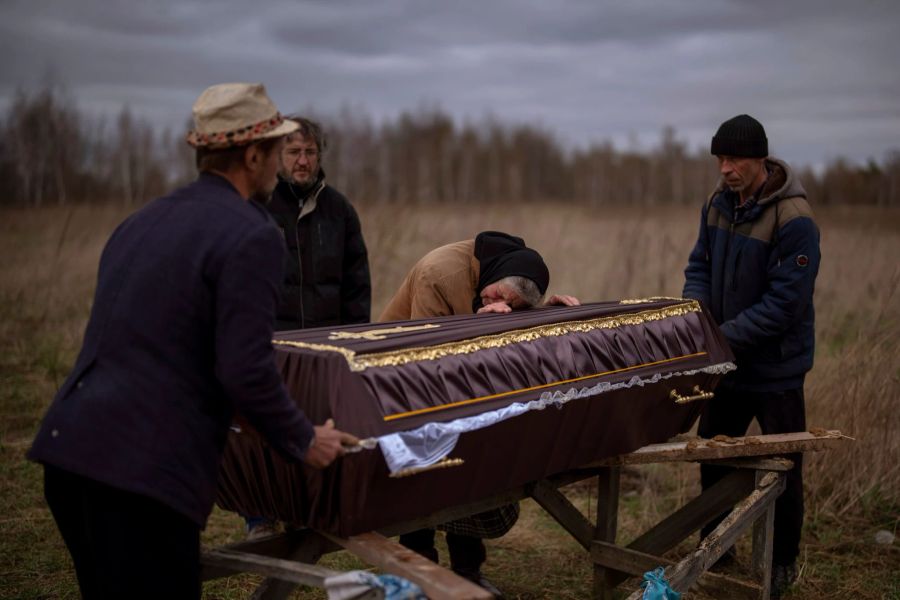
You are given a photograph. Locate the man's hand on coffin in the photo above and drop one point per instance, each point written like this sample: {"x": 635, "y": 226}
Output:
{"x": 563, "y": 300}
{"x": 327, "y": 445}
{"x": 495, "y": 307}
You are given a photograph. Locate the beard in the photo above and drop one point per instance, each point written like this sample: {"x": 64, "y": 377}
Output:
{"x": 262, "y": 191}
{"x": 298, "y": 187}
{"x": 303, "y": 185}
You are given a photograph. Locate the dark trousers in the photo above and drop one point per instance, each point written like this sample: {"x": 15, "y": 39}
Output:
{"x": 467, "y": 553}
{"x": 730, "y": 413}
{"x": 124, "y": 545}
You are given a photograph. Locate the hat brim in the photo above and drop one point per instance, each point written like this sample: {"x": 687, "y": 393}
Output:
{"x": 286, "y": 127}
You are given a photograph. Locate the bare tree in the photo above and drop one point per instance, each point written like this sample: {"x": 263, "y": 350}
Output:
{"x": 51, "y": 153}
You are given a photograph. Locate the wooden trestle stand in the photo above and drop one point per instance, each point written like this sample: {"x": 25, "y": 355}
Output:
{"x": 288, "y": 559}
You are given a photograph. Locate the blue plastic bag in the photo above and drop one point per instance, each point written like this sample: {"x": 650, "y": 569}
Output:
{"x": 356, "y": 585}
{"x": 656, "y": 587}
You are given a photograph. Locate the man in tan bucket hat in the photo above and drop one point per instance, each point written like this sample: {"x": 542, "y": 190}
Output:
{"x": 179, "y": 338}
{"x": 237, "y": 125}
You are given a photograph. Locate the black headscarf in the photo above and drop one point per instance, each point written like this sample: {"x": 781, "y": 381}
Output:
{"x": 502, "y": 255}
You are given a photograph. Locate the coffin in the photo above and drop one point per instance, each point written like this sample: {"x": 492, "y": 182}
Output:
{"x": 533, "y": 393}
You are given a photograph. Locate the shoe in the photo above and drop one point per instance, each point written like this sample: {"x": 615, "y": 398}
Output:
{"x": 783, "y": 577}
{"x": 480, "y": 580}
{"x": 261, "y": 530}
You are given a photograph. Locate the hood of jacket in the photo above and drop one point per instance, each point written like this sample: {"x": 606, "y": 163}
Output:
{"x": 781, "y": 183}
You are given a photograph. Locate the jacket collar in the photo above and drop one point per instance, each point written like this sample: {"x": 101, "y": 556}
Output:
{"x": 286, "y": 195}
{"x": 206, "y": 178}
{"x": 780, "y": 184}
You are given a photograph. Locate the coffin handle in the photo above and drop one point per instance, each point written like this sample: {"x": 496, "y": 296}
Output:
{"x": 441, "y": 464}
{"x": 699, "y": 394}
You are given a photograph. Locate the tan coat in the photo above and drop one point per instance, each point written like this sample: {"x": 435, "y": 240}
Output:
{"x": 442, "y": 283}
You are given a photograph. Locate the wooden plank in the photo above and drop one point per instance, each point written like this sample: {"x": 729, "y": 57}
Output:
{"x": 282, "y": 545}
{"x": 558, "y": 506}
{"x": 669, "y": 532}
{"x": 607, "y": 525}
{"x": 763, "y": 537}
{"x": 703, "y": 449}
{"x": 437, "y": 582}
{"x": 607, "y": 504}
{"x": 276, "y": 588}
{"x": 757, "y": 464}
{"x": 721, "y": 496}
{"x": 636, "y": 595}
{"x": 287, "y": 570}
{"x": 686, "y": 572}
{"x": 636, "y": 563}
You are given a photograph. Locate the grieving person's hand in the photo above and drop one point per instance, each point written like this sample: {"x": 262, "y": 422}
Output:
{"x": 563, "y": 300}
{"x": 495, "y": 307}
{"x": 328, "y": 444}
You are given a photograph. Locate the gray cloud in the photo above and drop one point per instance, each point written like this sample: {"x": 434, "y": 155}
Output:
{"x": 820, "y": 75}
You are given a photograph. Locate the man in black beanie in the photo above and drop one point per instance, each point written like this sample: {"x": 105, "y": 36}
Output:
{"x": 754, "y": 266}
{"x": 494, "y": 273}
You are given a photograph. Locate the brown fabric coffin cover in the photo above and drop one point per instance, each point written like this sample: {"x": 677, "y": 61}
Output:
{"x": 376, "y": 379}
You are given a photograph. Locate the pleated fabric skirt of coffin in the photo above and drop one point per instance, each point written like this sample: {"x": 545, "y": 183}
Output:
{"x": 608, "y": 367}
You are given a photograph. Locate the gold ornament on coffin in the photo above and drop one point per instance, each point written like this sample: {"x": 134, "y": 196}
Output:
{"x": 441, "y": 464}
{"x": 698, "y": 394}
{"x": 378, "y": 334}
{"x": 393, "y": 358}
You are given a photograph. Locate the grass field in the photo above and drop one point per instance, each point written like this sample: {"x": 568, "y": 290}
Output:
{"x": 47, "y": 276}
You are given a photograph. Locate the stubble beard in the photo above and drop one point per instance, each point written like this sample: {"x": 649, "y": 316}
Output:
{"x": 263, "y": 191}
{"x": 306, "y": 183}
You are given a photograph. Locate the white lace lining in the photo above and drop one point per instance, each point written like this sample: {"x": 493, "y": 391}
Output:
{"x": 428, "y": 444}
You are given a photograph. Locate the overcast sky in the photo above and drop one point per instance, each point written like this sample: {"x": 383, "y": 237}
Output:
{"x": 822, "y": 76}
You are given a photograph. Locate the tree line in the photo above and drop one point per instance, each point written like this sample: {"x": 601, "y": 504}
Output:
{"x": 51, "y": 153}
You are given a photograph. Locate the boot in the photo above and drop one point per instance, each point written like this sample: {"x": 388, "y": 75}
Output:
{"x": 783, "y": 577}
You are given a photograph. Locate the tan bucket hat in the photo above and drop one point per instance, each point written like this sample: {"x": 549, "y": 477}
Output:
{"x": 235, "y": 114}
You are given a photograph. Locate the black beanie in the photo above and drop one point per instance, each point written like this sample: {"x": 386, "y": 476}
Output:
{"x": 502, "y": 255}
{"x": 741, "y": 136}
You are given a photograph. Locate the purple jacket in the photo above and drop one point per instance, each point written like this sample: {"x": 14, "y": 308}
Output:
{"x": 178, "y": 339}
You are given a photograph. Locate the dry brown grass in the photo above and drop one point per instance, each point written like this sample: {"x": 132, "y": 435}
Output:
{"x": 48, "y": 270}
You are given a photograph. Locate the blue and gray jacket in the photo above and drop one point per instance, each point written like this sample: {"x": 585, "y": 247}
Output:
{"x": 755, "y": 268}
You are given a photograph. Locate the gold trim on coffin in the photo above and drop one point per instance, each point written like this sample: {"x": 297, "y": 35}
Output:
{"x": 378, "y": 334}
{"x": 350, "y": 355}
{"x": 648, "y": 300}
{"x": 403, "y": 356}
{"x": 444, "y": 463}
{"x": 544, "y": 386}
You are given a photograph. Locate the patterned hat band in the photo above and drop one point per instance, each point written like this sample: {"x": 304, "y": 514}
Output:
{"x": 236, "y": 137}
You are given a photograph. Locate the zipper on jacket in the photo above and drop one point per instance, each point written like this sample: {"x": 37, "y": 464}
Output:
{"x": 734, "y": 279}
{"x": 300, "y": 204}
{"x": 299, "y": 262}
{"x": 725, "y": 270}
